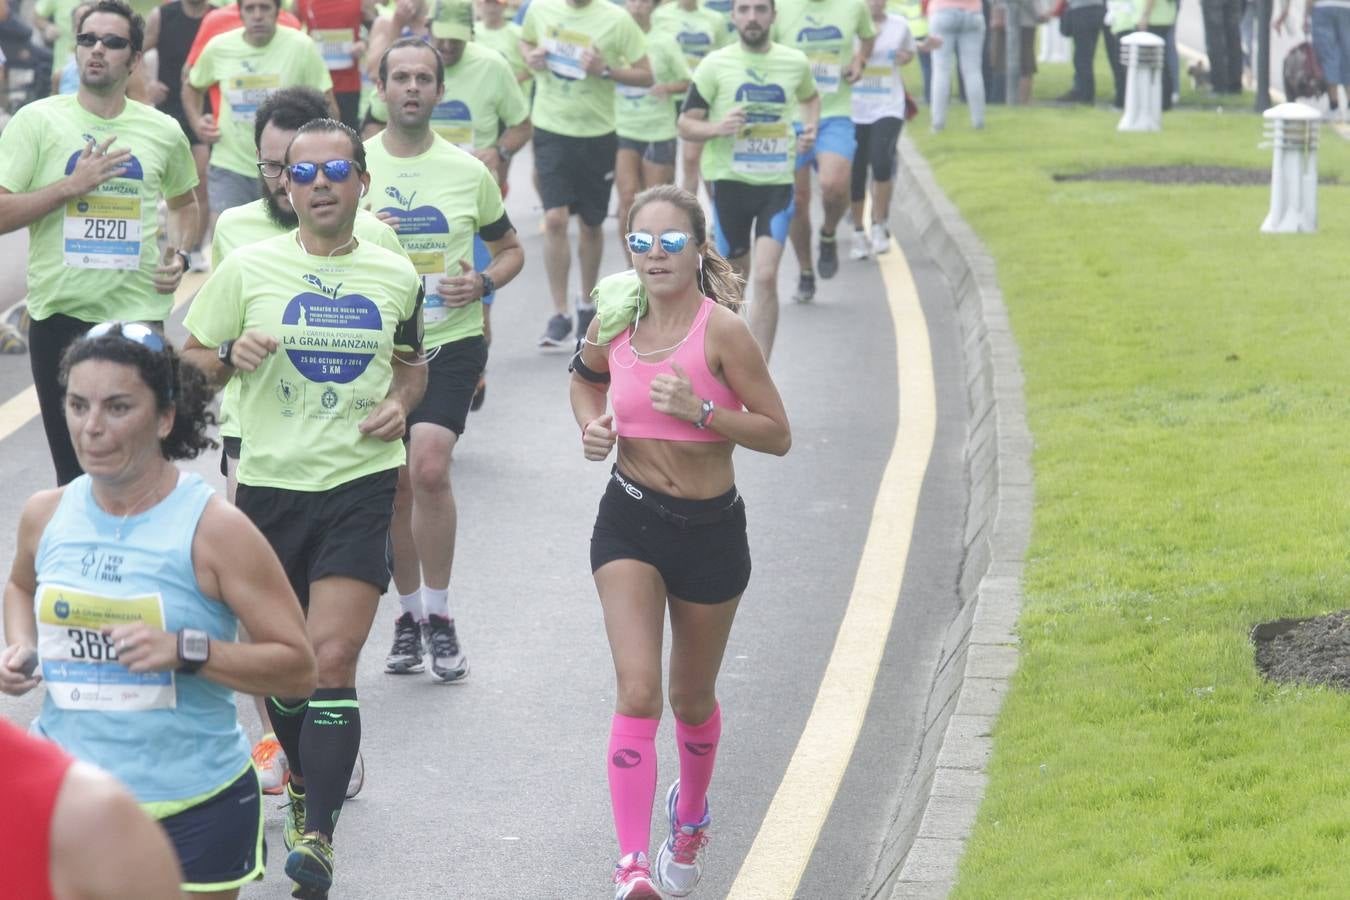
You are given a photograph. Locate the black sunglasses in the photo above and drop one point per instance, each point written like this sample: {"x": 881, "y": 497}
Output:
{"x": 111, "y": 41}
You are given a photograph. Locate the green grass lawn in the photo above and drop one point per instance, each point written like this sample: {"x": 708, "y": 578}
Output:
{"x": 1188, "y": 388}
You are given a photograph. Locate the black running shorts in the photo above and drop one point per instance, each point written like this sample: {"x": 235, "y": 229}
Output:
{"x": 219, "y": 842}
{"x": 576, "y": 172}
{"x": 452, "y": 376}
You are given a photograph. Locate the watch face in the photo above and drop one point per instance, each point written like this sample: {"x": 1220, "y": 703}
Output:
{"x": 196, "y": 646}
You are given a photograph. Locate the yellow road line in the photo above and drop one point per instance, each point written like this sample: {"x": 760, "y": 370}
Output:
{"x": 18, "y": 410}
{"x": 774, "y": 866}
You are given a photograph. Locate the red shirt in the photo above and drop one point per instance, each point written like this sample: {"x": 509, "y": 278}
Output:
{"x": 335, "y": 15}
{"x": 219, "y": 21}
{"x": 30, "y": 780}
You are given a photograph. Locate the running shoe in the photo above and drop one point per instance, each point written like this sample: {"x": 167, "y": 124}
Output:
{"x": 585, "y": 313}
{"x": 633, "y": 879}
{"x": 294, "y": 826}
{"x": 310, "y": 866}
{"x": 448, "y": 662}
{"x": 270, "y": 759}
{"x": 881, "y": 238}
{"x": 556, "y": 332}
{"x": 678, "y": 867}
{"x": 828, "y": 263}
{"x": 358, "y": 779}
{"x": 860, "y": 247}
{"x": 18, "y": 318}
{"x": 806, "y": 288}
{"x": 11, "y": 342}
{"x": 479, "y": 394}
{"x": 405, "y": 657}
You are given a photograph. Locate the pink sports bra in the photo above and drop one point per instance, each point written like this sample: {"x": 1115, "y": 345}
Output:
{"x": 631, "y": 381}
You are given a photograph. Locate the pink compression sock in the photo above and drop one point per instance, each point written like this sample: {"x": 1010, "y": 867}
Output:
{"x": 698, "y": 754}
{"x": 632, "y": 780}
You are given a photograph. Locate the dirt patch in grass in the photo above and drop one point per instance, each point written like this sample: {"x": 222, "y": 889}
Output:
{"x": 1224, "y": 175}
{"x": 1308, "y": 651}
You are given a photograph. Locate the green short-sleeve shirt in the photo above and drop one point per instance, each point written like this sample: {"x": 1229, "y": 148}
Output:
{"x": 480, "y": 96}
{"x": 442, "y": 198}
{"x": 247, "y": 75}
{"x": 94, "y": 258}
{"x": 568, "y": 101}
{"x": 698, "y": 31}
{"x": 240, "y": 226}
{"x": 58, "y": 13}
{"x": 506, "y": 41}
{"x": 769, "y": 86}
{"x": 825, "y": 30}
{"x": 334, "y": 319}
{"x": 639, "y": 116}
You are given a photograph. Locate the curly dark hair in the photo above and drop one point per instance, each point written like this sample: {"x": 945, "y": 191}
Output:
{"x": 174, "y": 383}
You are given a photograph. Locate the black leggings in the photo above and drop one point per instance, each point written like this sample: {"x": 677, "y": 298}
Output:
{"x": 47, "y": 342}
{"x": 876, "y": 147}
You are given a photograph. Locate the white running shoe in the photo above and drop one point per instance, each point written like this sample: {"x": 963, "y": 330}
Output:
{"x": 859, "y": 247}
{"x": 881, "y": 239}
{"x": 358, "y": 779}
{"x": 270, "y": 760}
{"x": 633, "y": 879}
{"x": 678, "y": 867}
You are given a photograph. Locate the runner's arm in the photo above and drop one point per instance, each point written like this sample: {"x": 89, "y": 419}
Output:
{"x": 639, "y": 74}
{"x": 332, "y": 104}
{"x": 194, "y": 104}
{"x": 693, "y": 124}
{"x": 20, "y": 589}
{"x": 589, "y": 393}
{"x": 763, "y": 424}
{"x": 183, "y": 225}
{"x": 381, "y": 36}
{"x": 508, "y": 257}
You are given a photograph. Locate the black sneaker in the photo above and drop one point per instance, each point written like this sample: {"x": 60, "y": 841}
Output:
{"x": 405, "y": 657}
{"x": 828, "y": 263}
{"x": 585, "y": 313}
{"x": 448, "y": 662}
{"x": 556, "y": 332}
{"x": 806, "y": 288}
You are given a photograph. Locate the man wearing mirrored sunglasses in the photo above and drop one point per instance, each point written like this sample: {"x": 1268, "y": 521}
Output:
{"x": 324, "y": 332}
{"x": 84, "y": 172}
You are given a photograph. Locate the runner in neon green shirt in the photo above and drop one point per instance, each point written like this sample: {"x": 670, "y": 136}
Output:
{"x": 84, "y": 173}
{"x": 494, "y": 31}
{"x": 699, "y": 30}
{"x": 579, "y": 49}
{"x": 646, "y": 119}
{"x": 742, "y": 104}
{"x": 438, "y": 198}
{"x": 52, "y": 18}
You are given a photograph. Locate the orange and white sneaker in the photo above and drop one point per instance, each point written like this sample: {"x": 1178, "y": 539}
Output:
{"x": 633, "y": 879}
{"x": 270, "y": 760}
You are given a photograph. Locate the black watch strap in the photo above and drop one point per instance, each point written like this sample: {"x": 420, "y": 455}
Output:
{"x": 187, "y": 260}
{"x": 223, "y": 352}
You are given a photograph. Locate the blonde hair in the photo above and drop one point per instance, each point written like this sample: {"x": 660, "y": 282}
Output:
{"x": 716, "y": 278}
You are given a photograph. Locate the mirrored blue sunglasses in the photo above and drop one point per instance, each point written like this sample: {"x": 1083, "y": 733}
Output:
{"x": 671, "y": 241}
{"x": 136, "y": 332}
{"x": 334, "y": 170}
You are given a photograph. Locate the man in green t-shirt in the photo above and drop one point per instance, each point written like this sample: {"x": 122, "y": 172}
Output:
{"x": 324, "y": 332}
{"x": 248, "y": 64}
{"x": 579, "y": 50}
{"x": 84, "y": 172}
{"x": 837, "y": 37}
{"x": 742, "y": 104}
{"x": 438, "y": 198}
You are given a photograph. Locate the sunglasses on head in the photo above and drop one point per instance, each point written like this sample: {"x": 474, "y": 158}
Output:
{"x": 334, "y": 170}
{"x": 135, "y": 332}
{"x": 671, "y": 241}
{"x": 111, "y": 41}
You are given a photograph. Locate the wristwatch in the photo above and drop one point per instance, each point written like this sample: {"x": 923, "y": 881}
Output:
{"x": 705, "y": 415}
{"x": 503, "y": 152}
{"x": 488, "y": 284}
{"x": 223, "y": 352}
{"x": 194, "y": 649}
{"x": 606, "y": 73}
{"x": 187, "y": 260}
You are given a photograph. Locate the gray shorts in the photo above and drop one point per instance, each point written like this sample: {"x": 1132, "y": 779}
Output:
{"x": 226, "y": 189}
{"x": 658, "y": 153}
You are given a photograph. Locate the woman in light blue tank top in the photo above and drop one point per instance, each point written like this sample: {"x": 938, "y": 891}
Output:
{"x": 128, "y": 586}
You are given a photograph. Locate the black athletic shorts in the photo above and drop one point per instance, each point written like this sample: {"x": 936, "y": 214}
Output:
{"x": 229, "y": 450}
{"x": 318, "y": 534}
{"x": 452, "y": 377}
{"x": 576, "y": 172}
{"x": 876, "y": 148}
{"x": 702, "y": 562}
{"x": 219, "y": 842}
{"x": 658, "y": 153}
{"x": 739, "y": 207}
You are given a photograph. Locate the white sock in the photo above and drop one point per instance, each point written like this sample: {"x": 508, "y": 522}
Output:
{"x": 412, "y": 603}
{"x": 437, "y": 601}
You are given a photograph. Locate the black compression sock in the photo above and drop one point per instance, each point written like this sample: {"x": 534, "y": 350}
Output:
{"x": 288, "y": 718}
{"x": 329, "y": 742}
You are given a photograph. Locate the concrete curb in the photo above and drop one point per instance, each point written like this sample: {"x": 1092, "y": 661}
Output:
{"x": 938, "y": 807}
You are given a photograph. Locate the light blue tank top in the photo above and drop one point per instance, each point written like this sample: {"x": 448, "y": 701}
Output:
{"x": 166, "y": 736}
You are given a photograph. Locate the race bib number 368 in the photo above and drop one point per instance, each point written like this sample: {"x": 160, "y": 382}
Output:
{"x": 80, "y": 664}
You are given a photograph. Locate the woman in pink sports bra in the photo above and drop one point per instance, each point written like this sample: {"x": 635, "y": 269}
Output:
{"x": 687, "y": 383}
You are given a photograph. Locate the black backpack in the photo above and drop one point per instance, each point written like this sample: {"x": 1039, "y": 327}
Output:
{"x": 1303, "y": 75}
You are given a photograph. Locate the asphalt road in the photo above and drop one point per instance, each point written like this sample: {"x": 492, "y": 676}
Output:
{"x": 496, "y": 788}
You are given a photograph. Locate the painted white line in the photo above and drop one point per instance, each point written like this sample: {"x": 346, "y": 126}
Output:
{"x": 773, "y": 868}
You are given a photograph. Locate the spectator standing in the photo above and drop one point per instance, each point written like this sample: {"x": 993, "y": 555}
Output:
{"x": 1154, "y": 16}
{"x": 1084, "y": 19}
{"x": 960, "y": 24}
{"x": 1223, "y": 43}
{"x": 914, "y": 15}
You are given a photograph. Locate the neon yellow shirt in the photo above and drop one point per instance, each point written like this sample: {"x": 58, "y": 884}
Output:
{"x": 506, "y": 41}
{"x": 480, "y": 96}
{"x": 442, "y": 198}
{"x": 567, "y": 100}
{"x": 769, "y": 86}
{"x": 248, "y": 224}
{"x": 825, "y": 31}
{"x": 698, "y": 32}
{"x": 58, "y": 13}
{"x": 94, "y": 258}
{"x": 247, "y": 75}
{"x": 641, "y": 116}
{"x": 334, "y": 318}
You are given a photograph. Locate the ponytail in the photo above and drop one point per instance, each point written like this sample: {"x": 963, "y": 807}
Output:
{"x": 718, "y": 280}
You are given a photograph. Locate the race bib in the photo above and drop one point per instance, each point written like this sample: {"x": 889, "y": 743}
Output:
{"x": 827, "y": 70}
{"x": 565, "y": 49}
{"x": 245, "y": 93}
{"x": 430, "y": 264}
{"x": 335, "y": 46}
{"x": 762, "y": 148}
{"x": 876, "y": 82}
{"x": 460, "y": 134}
{"x": 103, "y": 232}
{"x": 628, "y": 92}
{"x": 80, "y": 664}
